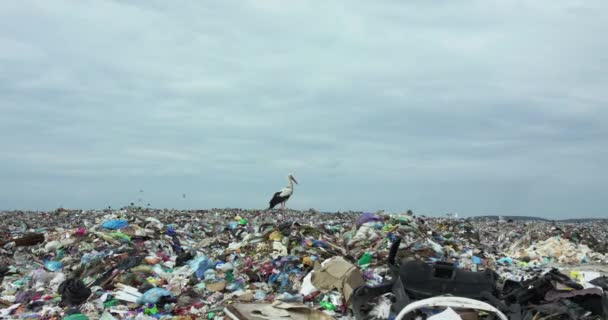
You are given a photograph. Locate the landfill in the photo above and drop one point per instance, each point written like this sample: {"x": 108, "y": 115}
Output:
{"x": 142, "y": 263}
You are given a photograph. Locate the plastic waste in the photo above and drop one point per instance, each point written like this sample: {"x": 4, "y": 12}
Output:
{"x": 328, "y": 305}
{"x": 151, "y": 311}
{"x": 224, "y": 266}
{"x": 307, "y": 286}
{"x": 288, "y": 297}
{"x": 121, "y": 236}
{"x": 53, "y": 265}
{"x": 153, "y": 295}
{"x": 210, "y": 275}
{"x": 260, "y": 295}
{"x": 314, "y": 243}
{"x": 367, "y": 217}
{"x": 77, "y": 316}
{"x": 366, "y": 259}
{"x": 202, "y": 265}
{"x": 207, "y": 259}
{"x": 115, "y": 224}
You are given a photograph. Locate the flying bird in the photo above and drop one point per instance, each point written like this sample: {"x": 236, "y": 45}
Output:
{"x": 282, "y": 196}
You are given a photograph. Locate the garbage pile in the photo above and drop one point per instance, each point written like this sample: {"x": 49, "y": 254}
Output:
{"x": 138, "y": 263}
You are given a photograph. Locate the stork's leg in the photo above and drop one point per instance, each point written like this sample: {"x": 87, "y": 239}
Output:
{"x": 283, "y": 205}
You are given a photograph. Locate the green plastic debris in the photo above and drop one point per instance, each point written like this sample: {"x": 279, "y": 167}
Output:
{"x": 110, "y": 303}
{"x": 328, "y": 305}
{"x": 387, "y": 227}
{"x": 19, "y": 283}
{"x": 365, "y": 259}
{"x": 211, "y": 315}
{"x": 121, "y": 236}
{"x": 78, "y": 316}
{"x": 229, "y": 277}
{"x": 243, "y": 221}
{"x": 59, "y": 254}
{"x": 151, "y": 311}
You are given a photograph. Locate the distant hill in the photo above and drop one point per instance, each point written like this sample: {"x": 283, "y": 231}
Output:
{"x": 582, "y": 220}
{"x": 528, "y": 218}
{"x": 515, "y": 218}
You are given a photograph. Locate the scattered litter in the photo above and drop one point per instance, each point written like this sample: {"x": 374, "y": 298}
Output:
{"x": 136, "y": 263}
{"x": 115, "y": 224}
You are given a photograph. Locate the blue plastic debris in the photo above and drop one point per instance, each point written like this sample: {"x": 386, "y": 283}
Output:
{"x": 288, "y": 297}
{"x": 477, "y": 260}
{"x": 53, "y": 265}
{"x": 367, "y": 217}
{"x": 260, "y": 295}
{"x": 171, "y": 230}
{"x": 115, "y": 224}
{"x": 153, "y": 295}
{"x": 392, "y": 237}
{"x": 200, "y": 265}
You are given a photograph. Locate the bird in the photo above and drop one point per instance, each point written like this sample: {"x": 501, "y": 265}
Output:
{"x": 282, "y": 196}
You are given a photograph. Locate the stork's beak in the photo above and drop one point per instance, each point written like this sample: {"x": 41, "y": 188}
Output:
{"x": 294, "y": 180}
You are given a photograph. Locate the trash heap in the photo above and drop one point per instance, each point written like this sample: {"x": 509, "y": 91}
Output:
{"x": 136, "y": 263}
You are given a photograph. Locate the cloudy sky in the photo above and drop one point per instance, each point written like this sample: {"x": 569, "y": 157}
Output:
{"x": 476, "y": 107}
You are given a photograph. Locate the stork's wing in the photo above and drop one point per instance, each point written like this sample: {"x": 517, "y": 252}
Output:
{"x": 286, "y": 192}
{"x": 276, "y": 199}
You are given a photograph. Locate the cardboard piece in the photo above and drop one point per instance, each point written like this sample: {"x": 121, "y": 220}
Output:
{"x": 245, "y": 297}
{"x": 337, "y": 273}
{"x": 216, "y": 286}
{"x": 275, "y": 311}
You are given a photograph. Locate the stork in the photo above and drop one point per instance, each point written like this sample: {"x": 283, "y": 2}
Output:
{"x": 283, "y": 195}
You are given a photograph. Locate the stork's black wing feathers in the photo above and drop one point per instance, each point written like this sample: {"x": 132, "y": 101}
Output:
{"x": 276, "y": 199}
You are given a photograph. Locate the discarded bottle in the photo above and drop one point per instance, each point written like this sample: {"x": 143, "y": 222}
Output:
{"x": 366, "y": 259}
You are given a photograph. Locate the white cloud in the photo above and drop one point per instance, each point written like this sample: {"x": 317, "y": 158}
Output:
{"x": 461, "y": 106}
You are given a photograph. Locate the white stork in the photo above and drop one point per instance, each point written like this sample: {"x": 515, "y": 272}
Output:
{"x": 283, "y": 195}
